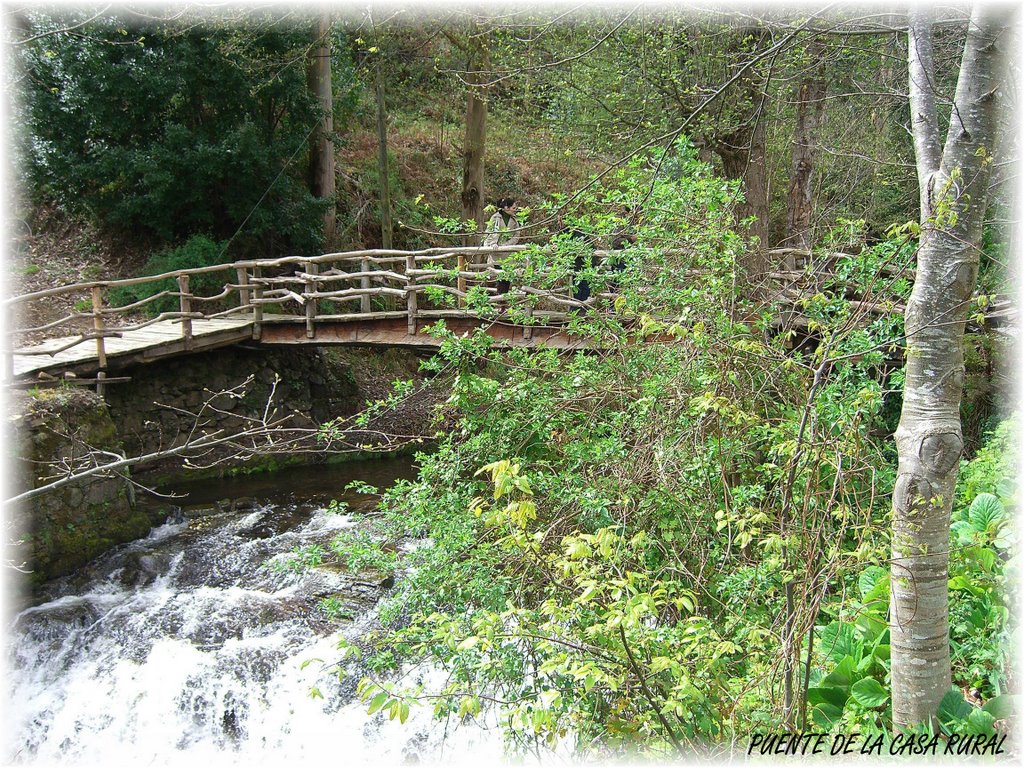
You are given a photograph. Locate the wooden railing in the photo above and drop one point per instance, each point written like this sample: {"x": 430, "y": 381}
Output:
{"x": 330, "y": 287}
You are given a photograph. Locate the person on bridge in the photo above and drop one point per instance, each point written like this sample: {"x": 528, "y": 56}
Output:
{"x": 502, "y": 229}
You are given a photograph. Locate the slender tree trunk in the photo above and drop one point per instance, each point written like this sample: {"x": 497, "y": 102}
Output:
{"x": 382, "y": 159}
{"x": 476, "y": 135}
{"x": 810, "y": 107}
{"x": 321, "y": 155}
{"x": 743, "y": 158}
{"x": 954, "y": 193}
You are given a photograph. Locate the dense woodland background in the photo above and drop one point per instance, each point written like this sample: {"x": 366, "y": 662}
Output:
{"x": 660, "y": 547}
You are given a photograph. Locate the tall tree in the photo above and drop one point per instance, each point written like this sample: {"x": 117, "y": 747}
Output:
{"x": 383, "y": 166}
{"x": 953, "y": 181}
{"x": 477, "y": 65}
{"x": 809, "y": 109}
{"x": 321, "y": 161}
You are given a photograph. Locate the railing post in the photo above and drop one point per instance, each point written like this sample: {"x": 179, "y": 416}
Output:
{"x": 364, "y": 302}
{"x": 243, "y": 287}
{"x": 312, "y": 269}
{"x": 257, "y": 307}
{"x": 410, "y": 293}
{"x": 8, "y": 353}
{"x": 460, "y": 266}
{"x": 97, "y": 326}
{"x": 185, "y": 302}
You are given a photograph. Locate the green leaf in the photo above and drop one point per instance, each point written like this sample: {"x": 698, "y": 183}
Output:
{"x": 873, "y": 582}
{"x": 826, "y": 715}
{"x": 985, "y": 509}
{"x": 869, "y": 693}
{"x": 838, "y": 640}
{"x": 953, "y": 708}
{"x": 835, "y": 696}
{"x": 843, "y": 675}
{"x": 377, "y": 702}
{"x": 962, "y": 532}
{"x": 980, "y": 722}
{"x": 983, "y": 556}
{"x": 1001, "y": 707}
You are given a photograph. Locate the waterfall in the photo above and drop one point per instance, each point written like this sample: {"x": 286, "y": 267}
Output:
{"x": 189, "y": 648}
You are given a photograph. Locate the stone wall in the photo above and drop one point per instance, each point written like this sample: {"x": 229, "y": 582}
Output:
{"x": 55, "y": 432}
{"x": 224, "y": 393}
{"x": 170, "y": 402}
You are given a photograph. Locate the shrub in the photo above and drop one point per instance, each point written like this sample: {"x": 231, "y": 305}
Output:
{"x": 198, "y": 251}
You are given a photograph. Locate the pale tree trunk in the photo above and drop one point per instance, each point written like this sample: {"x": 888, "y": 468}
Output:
{"x": 476, "y": 134}
{"x": 321, "y": 155}
{"x": 954, "y": 192}
{"x": 382, "y": 158}
{"x": 810, "y": 106}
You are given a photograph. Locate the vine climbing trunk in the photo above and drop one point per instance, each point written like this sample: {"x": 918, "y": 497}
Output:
{"x": 953, "y": 183}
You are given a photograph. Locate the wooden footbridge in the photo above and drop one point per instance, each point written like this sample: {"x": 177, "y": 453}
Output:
{"x": 367, "y": 298}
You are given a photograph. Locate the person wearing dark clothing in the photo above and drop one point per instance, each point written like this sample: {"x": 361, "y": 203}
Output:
{"x": 583, "y": 260}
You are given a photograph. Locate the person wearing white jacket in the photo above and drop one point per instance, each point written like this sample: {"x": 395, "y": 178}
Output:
{"x": 502, "y": 229}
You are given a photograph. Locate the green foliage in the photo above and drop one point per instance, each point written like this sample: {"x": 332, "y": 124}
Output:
{"x": 334, "y": 608}
{"x": 198, "y": 251}
{"x": 165, "y": 130}
{"x": 358, "y": 550}
{"x": 301, "y": 558}
{"x": 982, "y": 539}
{"x": 855, "y": 692}
{"x": 612, "y": 535}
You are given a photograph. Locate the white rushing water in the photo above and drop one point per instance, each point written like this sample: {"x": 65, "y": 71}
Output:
{"x": 187, "y": 649}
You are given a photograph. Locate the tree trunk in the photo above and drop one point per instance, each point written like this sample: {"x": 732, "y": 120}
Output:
{"x": 476, "y": 135}
{"x": 810, "y": 106}
{"x": 321, "y": 154}
{"x": 743, "y": 158}
{"x": 382, "y": 159}
{"x": 954, "y": 192}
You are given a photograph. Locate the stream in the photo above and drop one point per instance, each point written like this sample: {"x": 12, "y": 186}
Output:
{"x": 190, "y": 647}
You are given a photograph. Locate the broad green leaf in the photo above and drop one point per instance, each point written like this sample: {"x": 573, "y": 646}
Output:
{"x": 869, "y": 693}
{"x": 869, "y": 581}
{"x": 834, "y": 696}
{"x": 843, "y": 675}
{"x": 377, "y": 702}
{"x": 838, "y": 640}
{"x": 953, "y": 708}
{"x": 826, "y": 715}
{"x": 983, "y": 556}
{"x": 962, "y": 532}
{"x": 985, "y": 509}
{"x": 980, "y": 721}
{"x": 1001, "y": 707}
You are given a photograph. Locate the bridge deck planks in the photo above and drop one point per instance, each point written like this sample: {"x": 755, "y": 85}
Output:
{"x": 162, "y": 339}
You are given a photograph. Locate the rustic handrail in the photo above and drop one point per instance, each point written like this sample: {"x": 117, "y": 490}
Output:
{"x": 349, "y": 281}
